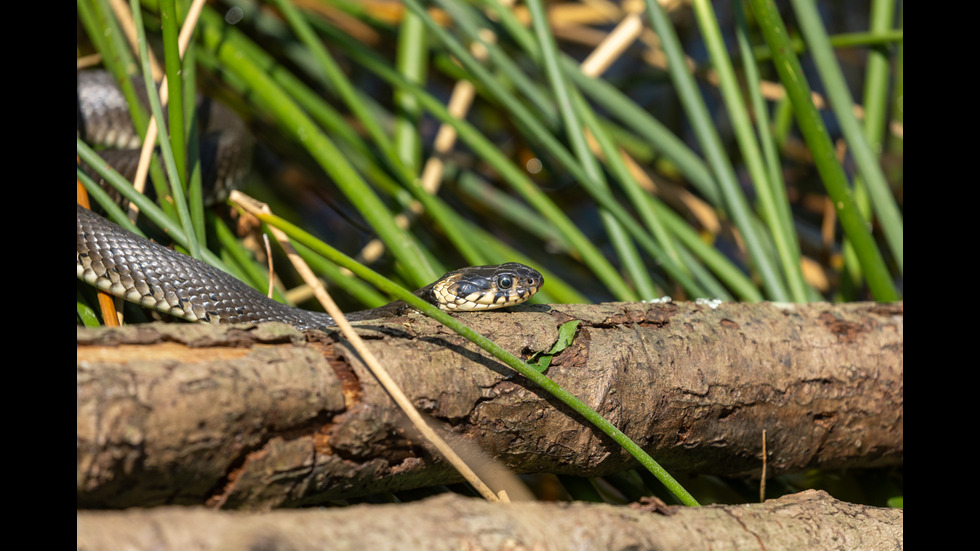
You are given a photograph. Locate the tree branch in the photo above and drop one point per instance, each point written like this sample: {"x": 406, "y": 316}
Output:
{"x": 263, "y": 416}
{"x": 809, "y": 520}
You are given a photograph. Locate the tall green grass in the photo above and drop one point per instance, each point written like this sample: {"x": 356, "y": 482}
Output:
{"x": 586, "y": 214}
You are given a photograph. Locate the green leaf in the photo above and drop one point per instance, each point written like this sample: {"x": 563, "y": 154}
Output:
{"x": 540, "y": 361}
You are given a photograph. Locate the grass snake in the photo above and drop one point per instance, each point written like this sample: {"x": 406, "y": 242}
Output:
{"x": 140, "y": 271}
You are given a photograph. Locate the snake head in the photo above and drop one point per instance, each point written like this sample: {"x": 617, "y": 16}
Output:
{"x": 485, "y": 287}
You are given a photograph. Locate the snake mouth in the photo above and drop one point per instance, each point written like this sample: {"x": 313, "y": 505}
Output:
{"x": 484, "y": 300}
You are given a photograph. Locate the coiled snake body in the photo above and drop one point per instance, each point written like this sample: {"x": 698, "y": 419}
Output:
{"x": 140, "y": 271}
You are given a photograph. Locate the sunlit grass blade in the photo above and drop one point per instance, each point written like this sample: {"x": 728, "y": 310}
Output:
{"x": 735, "y": 202}
{"x": 865, "y": 158}
{"x": 810, "y": 123}
{"x": 782, "y": 235}
{"x": 780, "y": 217}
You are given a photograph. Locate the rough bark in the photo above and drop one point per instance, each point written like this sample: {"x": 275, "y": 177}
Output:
{"x": 809, "y": 520}
{"x": 263, "y": 416}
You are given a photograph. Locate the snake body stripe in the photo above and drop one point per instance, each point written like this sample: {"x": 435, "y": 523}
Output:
{"x": 140, "y": 271}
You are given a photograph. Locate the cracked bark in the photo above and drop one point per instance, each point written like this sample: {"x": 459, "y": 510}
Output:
{"x": 808, "y": 520}
{"x": 262, "y": 416}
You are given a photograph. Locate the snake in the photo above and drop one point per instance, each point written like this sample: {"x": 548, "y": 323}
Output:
{"x": 143, "y": 272}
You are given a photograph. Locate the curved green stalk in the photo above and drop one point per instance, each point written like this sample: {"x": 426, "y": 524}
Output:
{"x": 515, "y": 363}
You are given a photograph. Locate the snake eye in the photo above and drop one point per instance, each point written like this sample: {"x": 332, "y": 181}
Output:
{"x": 505, "y": 282}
